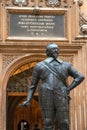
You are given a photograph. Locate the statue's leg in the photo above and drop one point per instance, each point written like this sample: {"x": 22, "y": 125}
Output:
{"x": 62, "y": 114}
{"x": 48, "y": 124}
{"x": 47, "y": 109}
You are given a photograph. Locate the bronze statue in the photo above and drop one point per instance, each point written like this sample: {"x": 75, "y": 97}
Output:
{"x": 54, "y": 91}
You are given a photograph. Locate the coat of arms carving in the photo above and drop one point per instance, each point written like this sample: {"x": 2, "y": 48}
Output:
{"x": 53, "y": 3}
{"x": 20, "y": 2}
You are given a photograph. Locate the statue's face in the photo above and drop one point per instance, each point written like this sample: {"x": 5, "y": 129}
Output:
{"x": 54, "y": 52}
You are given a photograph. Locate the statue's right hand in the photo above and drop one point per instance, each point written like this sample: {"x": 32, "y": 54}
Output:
{"x": 24, "y": 104}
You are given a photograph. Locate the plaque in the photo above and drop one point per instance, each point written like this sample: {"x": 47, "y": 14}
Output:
{"x": 31, "y": 25}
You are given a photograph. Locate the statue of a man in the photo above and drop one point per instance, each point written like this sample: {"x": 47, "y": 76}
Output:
{"x": 54, "y": 90}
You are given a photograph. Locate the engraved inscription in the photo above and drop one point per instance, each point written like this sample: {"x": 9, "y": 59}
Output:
{"x": 36, "y": 25}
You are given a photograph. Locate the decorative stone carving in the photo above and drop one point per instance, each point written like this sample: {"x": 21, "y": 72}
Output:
{"x": 83, "y": 20}
{"x": 83, "y": 25}
{"x": 8, "y": 58}
{"x": 67, "y": 58}
{"x": 53, "y": 3}
{"x": 20, "y": 2}
{"x": 36, "y": 3}
{"x": 80, "y": 2}
{"x": 84, "y": 29}
{"x": 7, "y": 2}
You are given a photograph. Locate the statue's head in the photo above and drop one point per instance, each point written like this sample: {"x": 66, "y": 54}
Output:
{"x": 52, "y": 50}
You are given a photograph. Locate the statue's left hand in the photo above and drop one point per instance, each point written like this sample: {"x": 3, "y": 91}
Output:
{"x": 25, "y": 103}
{"x": 67, "y": 93}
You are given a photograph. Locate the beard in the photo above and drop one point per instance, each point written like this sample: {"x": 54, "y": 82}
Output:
{"x": 54, "y": 55}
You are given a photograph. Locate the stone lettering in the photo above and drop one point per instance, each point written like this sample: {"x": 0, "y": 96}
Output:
{"x": 30, "y": 25}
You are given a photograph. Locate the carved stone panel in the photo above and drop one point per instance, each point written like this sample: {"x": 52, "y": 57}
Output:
{"x": 83, "y": 17}
{"x": 8, "y": 59}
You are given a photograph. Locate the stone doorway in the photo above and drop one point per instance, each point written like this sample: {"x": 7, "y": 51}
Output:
{"x": 16, "y": 93}
{"x": 15, "y": 113}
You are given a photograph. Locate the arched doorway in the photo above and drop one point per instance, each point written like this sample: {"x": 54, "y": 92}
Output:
{"x": 16, "y": 93}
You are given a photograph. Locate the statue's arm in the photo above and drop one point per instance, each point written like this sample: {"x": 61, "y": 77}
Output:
{"x": 32, "y": 87}
{"x": 77, "y": 76}
{"x": 31, "y": 91}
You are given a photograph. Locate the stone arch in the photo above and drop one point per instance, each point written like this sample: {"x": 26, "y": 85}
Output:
{"x": 10, "y": 69}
